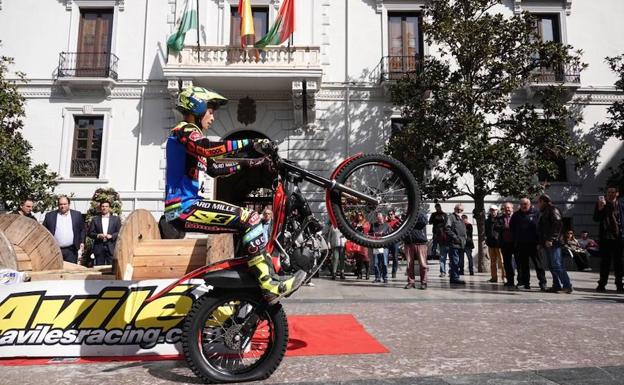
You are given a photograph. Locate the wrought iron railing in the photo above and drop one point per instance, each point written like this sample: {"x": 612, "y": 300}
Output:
{"x": 397, "y": 67}
{"x": 85, "y": 168}
{"x": 88, "y": 64}
{"x": 559, "y": 73}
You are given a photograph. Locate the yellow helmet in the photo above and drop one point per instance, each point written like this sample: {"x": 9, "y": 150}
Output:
{"x": 196, "y": 100}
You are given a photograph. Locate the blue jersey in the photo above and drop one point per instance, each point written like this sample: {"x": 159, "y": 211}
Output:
{"x": 189, "y": 152}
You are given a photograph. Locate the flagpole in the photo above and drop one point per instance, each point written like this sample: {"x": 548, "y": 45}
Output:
{"x": 198, "y": 46}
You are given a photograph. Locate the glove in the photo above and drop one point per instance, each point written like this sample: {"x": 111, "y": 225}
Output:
{"x": 265, "y": 146}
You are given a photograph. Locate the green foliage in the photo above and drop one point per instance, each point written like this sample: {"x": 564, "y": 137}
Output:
{"x": 615, "y": 126}
{"x": 459, "y": 119}
{"x": 19, "y": 178}
{"x": 103, "y": 194}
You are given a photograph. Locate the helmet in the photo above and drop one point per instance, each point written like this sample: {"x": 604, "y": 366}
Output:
{"x": 196, "y": 100}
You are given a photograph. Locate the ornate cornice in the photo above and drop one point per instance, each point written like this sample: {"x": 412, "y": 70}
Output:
{"x": 566, "y": 4}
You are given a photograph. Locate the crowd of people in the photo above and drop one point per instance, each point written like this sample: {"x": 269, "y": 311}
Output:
{"x": 516, "y": 239}
{"x": 70, "y": 231}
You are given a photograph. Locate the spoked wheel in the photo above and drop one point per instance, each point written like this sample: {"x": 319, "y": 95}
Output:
{"x": 234, "y": 338}
{"x": 385, "y": 179}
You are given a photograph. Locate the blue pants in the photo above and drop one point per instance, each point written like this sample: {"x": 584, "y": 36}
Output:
{"x": 555, "y": 264}
{"x": 444, "y": 251}
{"x": 380, "y": 265}
{"x": 470, "y": 261}
{"x": 454, "y": 255}
{"x": 393, "y": 250}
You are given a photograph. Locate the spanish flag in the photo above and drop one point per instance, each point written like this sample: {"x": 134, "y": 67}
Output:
{"x": 282, "y": 28}
{"x": 247, "y": 33}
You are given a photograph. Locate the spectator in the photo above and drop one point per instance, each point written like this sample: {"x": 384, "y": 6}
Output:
{"x": 549, "y": 227}
{"x": 68, "y": 228}
{"x": 267, "y": 222}
{"x": 589, "y": 244}
{"x": 362, "y": 260}
{"x": 492, "y": 241}
{"x": 468, "y": 248}
{"x": 380, "y": 255}
{"x": 456, "y": 235}
{"x": 25, "y": 208}
{"x": 337, "y": 244}
{"x": 576, "y": 251}
{"x": 415, "y": 243}
{"x": 524, "y": 233}
{"x": 609, "y": 213}
{"x": 438, "y": 221}
{"x": 104, "y": 229}
{"x": 393, "y": 250}
{"x": 507, "y": 242}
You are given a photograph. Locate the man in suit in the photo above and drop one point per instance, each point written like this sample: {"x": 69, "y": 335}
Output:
{"x": 25, "y": 208}
{"x": 68, "y": 228}
{"x": 104, "y": 229}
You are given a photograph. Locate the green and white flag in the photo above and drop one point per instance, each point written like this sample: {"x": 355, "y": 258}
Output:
{"x": 282, "y": 28}
{"x": 188, "y": 22}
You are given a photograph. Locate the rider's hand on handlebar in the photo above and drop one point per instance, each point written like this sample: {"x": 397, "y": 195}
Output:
{"x": 265, "y": 146}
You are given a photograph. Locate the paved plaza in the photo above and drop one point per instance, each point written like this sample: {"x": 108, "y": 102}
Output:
{"x": 482, "y": 333}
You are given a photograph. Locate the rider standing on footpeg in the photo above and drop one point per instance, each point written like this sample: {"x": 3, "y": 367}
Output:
{"x": 188, "y": 153}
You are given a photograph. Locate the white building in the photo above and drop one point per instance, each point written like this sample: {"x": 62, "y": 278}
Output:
{"x": 100, "y": 118}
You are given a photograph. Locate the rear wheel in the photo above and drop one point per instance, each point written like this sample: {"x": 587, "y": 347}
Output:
{"x": 234, "y": 338}
{"x": 385, "y": 179}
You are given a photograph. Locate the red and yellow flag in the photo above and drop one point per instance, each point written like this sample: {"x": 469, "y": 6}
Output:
{"x": 247, "y": 33}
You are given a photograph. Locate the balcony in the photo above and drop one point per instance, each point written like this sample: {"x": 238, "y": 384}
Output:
{"x": 232, "y": 67}
{"x": 392, "y": 68}
{"x": 566, "y": 75}
{"x": 87, "y": 70}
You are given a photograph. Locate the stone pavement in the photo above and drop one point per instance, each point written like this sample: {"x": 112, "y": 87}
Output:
{"x": 478, "y": 334}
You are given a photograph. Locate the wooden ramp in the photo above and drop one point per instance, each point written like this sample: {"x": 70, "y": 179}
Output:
{"x": 141, "y": 254}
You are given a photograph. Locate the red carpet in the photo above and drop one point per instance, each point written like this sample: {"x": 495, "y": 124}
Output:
{"x": 309, "y": 335}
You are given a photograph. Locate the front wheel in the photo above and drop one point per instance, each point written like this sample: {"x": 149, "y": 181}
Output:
{"x": 234, "y": 338}
{"x": 395, "y": 189}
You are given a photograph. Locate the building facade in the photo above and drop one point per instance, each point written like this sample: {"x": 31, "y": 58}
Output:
{"x": 102, "y": 85}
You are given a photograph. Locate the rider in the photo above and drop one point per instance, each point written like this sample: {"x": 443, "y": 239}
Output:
{"x": 188, "y": 153}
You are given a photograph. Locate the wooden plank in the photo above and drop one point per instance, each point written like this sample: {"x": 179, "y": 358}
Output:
{"x": 189, "y": 242}
{"x": 167, "y": 260}
{"x": 140, "y": 226}
{"x": 6, "y": 220}
{"x": 219, "y": 247}
{"x": 74, "y": 267}
{"x": 47, "y": 256}
{"x": 8, "y": 257}
{"x": 20, "y": 229}
{"x": 64, "y": 274}
{"x": 24, "y": 265}
{"x": 163, "y": 272}
{"x": 34, "y": 239}
{"x": 141, "y": 250}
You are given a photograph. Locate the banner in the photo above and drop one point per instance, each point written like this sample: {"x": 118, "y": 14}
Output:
{"x": 92, "y": 318}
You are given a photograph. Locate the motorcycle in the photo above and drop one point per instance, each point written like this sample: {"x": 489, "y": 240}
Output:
{"x": 231, "y": 334}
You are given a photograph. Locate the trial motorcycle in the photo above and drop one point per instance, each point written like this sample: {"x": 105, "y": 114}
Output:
{"x": 231, "y": 333}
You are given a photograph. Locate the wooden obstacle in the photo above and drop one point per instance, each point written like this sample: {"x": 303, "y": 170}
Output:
{"x": 34, "y": 248}
{"x": 140, "y": 253}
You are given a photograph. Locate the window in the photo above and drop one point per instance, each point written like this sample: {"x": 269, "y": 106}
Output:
{"x": 547, "y": 26}
{"x": 405, "y": 43}
{"x": 261, "y": 24}
{"x": 87, "y": 146}
{"x": 94, "y": 42}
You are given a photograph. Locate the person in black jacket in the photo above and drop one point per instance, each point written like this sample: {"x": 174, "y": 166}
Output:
{"x": 438, "y": 221}
{"x": 104, "y": 229}
{"x": 507, "y": 242}
{"x": 609, "y": 213}
{"x": 415, "y": 245}
{"x": 549, "y": 228}
{"x": 456, "y": 235}
{"x": 492, "y": 241}
{"x": 524, "y": 232}
{"x": 25, "y": 208}
{"x": 68, "y": 228}
{"x": 468, "y": 248}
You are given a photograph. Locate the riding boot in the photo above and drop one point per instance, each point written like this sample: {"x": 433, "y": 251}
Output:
{"x": 273, "y": 286}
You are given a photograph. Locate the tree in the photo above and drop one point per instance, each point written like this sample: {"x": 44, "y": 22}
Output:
{"x": 19, "y": 178}
{"x": 615, "y": 126}
{"x": 457, "y": 107}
